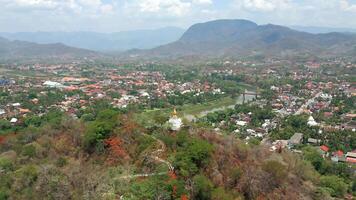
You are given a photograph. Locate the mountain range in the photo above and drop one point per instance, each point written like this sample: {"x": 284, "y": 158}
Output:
{"x": 221, "y": 38}
{"x": 316, "y": 29}
{"x": 10, "y": 50}
{"x": 104, "y": 42}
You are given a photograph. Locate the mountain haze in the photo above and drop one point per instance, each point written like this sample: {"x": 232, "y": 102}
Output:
{"x": 246, "y": 38}
{"x": 106, "y": 42}
{"x": 20, "y": 49}
{"x": 316, "y": 30}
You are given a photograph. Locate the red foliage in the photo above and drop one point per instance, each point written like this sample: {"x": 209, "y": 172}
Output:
{"x": 2, "y": 139}
{"x": 184, "y": 197}
{"x": 116, "y": 150}
{"x": 174, "y": 191}
{"x": 172, "y": 175}
{"x": 129, "y": 126}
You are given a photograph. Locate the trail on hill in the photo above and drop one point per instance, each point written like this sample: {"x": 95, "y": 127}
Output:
{"x": 156, "y": 156}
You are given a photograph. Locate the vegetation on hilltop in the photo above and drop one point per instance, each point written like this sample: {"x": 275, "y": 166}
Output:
{"x": 56, "y": 157}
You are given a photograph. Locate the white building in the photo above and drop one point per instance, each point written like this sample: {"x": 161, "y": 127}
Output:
{"x": 13, "y": 120}
{"x": 175, "y": 122}
{"x": 312, "y": 122}
{"x": 52, "y": 84}
{"x": 2, "y": 111}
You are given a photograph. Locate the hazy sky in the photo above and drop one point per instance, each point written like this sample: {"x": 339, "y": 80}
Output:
{"x": 118, "y": 15}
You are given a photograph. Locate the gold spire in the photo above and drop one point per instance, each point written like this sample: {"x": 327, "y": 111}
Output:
{"x": 174, "y": 112}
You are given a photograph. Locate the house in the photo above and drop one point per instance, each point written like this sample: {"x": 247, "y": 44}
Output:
{"x": 328, "y": 114}
{"x": 324, "y": 150}
{"x": 241, "y": 123}
{"x": 338, "y": 156}
{"x": 351, "y": 157}
{"x": 296, "y": 139}
{"x": 313, "y": 141}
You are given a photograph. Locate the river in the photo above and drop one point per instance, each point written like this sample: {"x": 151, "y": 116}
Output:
{"x": 239, "y": 100}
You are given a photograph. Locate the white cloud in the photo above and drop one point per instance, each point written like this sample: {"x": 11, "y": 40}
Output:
{"x": 107, "y": 9}
{"x": 203, "y": 2}
{"x": 264, "y": 5}
{"x": 163, "y": 7}
{"x": 73, "y": 6}
{"x": 116, "y": 15}
{"x": 347, "y": 6}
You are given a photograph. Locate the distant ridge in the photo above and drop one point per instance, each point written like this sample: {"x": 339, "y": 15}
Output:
{"x": 20, "y": 49}
{"x": 105, "y": 42}
{"x": 316, "y": 30}
{"x": 245, "y": 38}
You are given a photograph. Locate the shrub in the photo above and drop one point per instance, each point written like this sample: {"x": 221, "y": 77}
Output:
{"x": 29, "y": 150}
{"x": 61, "y": 162}
{"x": 276, "y": 170}
{"x": 6, "y": 164}
{"x": 4, "y": 195}
{"x": 202, "y": 187}
{"x": 221, "y": 194}
{"x": 337, "y": 185}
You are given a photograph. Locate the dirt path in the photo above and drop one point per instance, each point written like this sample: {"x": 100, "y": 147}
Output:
{"x": 156, "y": 156}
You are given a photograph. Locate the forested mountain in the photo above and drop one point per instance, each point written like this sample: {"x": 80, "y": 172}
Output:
{"x": 246, "y": 38}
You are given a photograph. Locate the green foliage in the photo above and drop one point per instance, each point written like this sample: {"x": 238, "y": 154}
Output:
{"x": 336, "y": 185}
{"x": 202, "y": 187}
{"x": 33, "y": 121}
{"x": 26, "y": 176}
{"x": 107, "y": 115}
{"x": 151, "y": 188}
{"x": 87, "y": 117}
{"x": 313, "y": 156}
{"x": 193, "y": 154}
{"x": 4, "y": 124}
{"x": 294, "y": 124}
{"x": 53, "y": 118}
{"x": 221, "y": 194}
{"x": 6, "y": 164}
{"x": 61, "y": 162}
{"x": 96, "y": 133}
{"x": 100, "y": 129}
{"x": 4, "y": 194}
{"x": 29, "y": 150}
{"x": 277, "y": 170}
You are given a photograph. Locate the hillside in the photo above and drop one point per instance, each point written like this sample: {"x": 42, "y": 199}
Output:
{"x": 56, "y": 157}
{"x": 20, "y": 49}
{"x": 245, "y": 38}
{"x": 106, "y": 42}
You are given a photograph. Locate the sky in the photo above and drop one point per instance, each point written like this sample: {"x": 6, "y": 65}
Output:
{"x": 122, "y": 15}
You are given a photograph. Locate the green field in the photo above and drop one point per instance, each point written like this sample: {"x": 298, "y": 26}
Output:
{"x": 191, "y": 109}
{"x": 198, "y": 108}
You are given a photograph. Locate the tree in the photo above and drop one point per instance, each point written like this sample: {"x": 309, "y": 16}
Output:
{"x": 276, "y": 170}
{"x": 221, "y": 194}
{"x": 336, "y": 184}
{"x": 202, "y": 187}
{"x": 4, "y": 125}
{"x": 115, "y": 149}
{"x": 193, "y": 154}
{"x": 96, "y": 133}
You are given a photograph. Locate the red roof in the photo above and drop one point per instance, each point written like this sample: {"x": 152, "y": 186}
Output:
{"x": 351, "y": 160}
{"x": 328, "y": 114}
{"x": 324, "y": 148}
{"x": 338, "y": 153}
